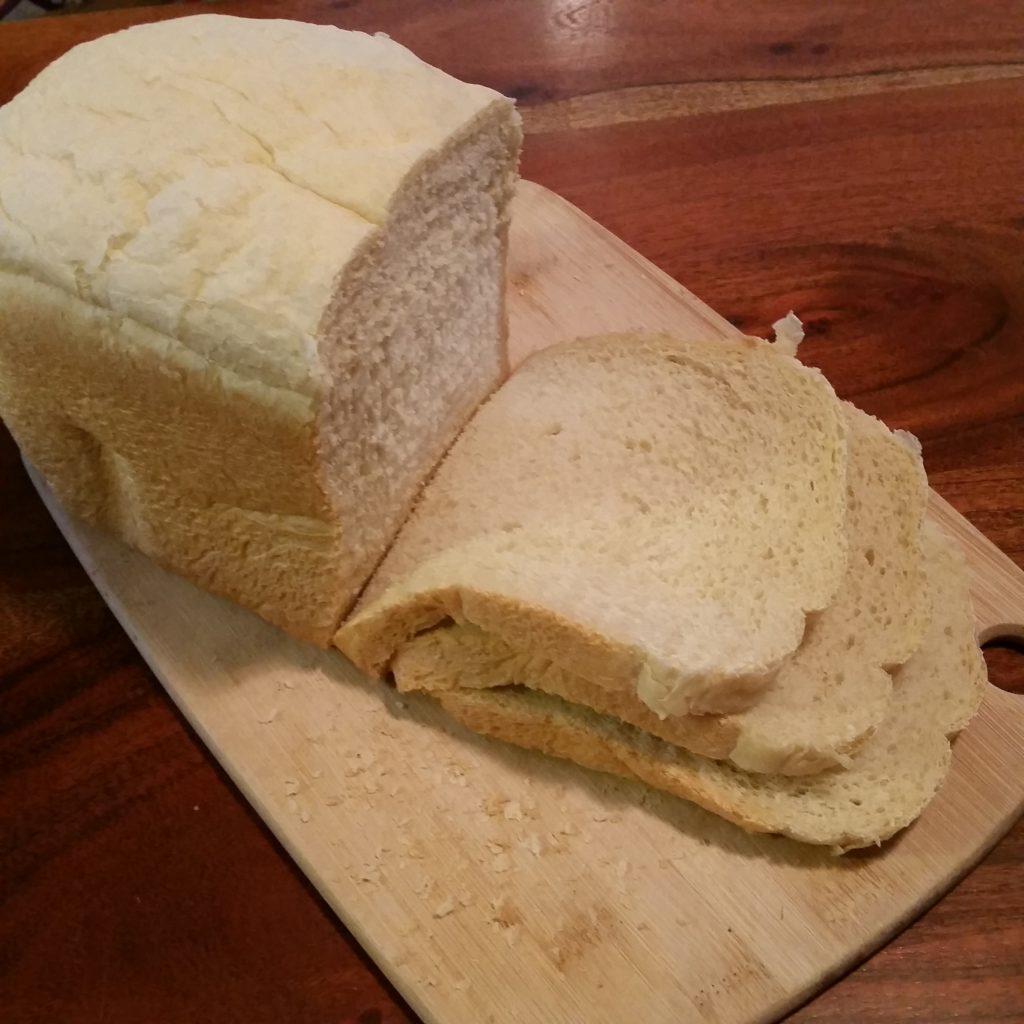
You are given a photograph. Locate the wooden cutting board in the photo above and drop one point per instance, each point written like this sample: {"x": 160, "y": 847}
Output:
{"x": 492, "y": 884}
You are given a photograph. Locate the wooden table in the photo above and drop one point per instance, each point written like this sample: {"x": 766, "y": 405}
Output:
{"x": 864, "y": 171}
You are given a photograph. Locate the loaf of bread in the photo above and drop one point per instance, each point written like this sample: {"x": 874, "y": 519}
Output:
{"x": 656, "y": 518}
{"x": 268, "y": 300}
{"x": 252, "y": 283}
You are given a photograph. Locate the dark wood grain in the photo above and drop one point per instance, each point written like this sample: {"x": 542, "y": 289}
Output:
{"x": 872, "y": 182}
{"x": 541, "y": 51}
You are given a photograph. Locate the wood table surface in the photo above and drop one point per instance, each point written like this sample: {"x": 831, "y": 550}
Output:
{"x": 860, "y": 163}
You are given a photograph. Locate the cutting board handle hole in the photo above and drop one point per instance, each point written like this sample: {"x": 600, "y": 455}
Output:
{"x": 1004, "y": 655}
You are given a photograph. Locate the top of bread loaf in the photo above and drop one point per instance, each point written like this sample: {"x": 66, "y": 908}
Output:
{"x": 214, "y": 173}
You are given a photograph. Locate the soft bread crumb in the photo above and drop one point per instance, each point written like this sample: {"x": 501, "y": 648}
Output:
{"x": 534, "y": 843}
{"x": 910, "y": 441}
{"x": 789, "y": 332}
{"x": 512, "y": 811}
{"x": 445, "y": 907}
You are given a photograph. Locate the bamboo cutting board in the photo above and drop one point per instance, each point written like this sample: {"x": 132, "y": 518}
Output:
{"x": 494, "y": 885}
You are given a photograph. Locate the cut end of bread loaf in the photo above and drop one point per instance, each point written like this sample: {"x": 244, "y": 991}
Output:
{"x": 413, "y": 339}
{"x": 655, "y": 515}
{"x": 271, "y": 296}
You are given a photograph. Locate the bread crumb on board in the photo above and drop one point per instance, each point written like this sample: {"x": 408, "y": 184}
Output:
{"x": 534, "y": 843}
{"x": 445, "y": 907}
{"x": 501, "y": 863}
{"x": 493, "y": 805}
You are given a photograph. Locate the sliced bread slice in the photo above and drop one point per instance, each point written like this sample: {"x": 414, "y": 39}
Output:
{"x": 886, "y": 787}
{"x": 826, "y": 699}
{"x": 658, "y": 516}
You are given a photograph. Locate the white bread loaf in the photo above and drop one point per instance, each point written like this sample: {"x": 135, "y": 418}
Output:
{"x": 886, "y": 787}
{"x": 252, "y": 284}
{"x": 826, "y": 699}
{"x": 658, "y": 518}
